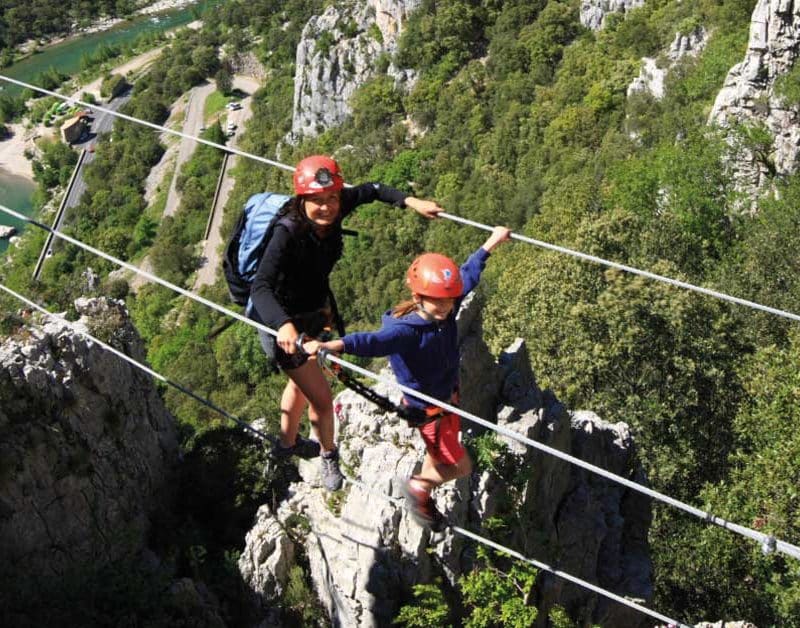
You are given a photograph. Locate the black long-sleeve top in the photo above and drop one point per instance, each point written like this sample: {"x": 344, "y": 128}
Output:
{"x": 292, "y": 276}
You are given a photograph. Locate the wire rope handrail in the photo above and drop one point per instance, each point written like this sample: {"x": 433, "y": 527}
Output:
{"x": 528, "y": 240}
{"x": 270, "y": 438}
{"x": 768, "y": 543}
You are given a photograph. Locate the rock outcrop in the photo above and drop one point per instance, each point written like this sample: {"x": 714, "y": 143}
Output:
{"x": 365, "y": 553}
{"x": 651, "y": 78}
{"x": 593, "y": 12}
{"x": 749, "y": 98}
{"x": 7, "y": 232}
{"x": 86, "y": 445}
{"x": 339, "y": 51}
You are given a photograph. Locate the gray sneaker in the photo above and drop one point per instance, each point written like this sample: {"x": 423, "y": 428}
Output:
{"x": 332, "y": 477}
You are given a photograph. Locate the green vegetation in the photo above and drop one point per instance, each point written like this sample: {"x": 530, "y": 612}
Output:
{"x": 215, "y": 102}
{"x": 524, "y": 121}
{"x": 20, "y": 21}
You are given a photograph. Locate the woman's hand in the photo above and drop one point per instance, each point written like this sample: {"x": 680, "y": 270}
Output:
{"x": 428, "y": 209}
{"x": 287, "y": 337}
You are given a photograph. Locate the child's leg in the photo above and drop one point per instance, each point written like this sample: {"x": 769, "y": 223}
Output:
{"x": 314, "y": 387}
{"x": 434, "y": 473}
{"x": 445, "y": 457}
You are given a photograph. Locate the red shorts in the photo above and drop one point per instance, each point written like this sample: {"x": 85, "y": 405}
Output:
{"x": 441, "y": 439}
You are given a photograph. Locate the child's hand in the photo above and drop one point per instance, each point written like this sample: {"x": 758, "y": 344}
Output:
{"x": 499, "y": 234}
{"x": 312, "y": 347}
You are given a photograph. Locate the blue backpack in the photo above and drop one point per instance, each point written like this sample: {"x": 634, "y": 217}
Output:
{"x": 248, "y": 242}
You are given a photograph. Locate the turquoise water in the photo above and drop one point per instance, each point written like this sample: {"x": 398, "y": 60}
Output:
{"x": 66, "y": 56}
{"x": 15, "y": 193}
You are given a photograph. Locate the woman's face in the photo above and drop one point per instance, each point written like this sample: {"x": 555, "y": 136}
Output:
{"x": 322, "y": 208}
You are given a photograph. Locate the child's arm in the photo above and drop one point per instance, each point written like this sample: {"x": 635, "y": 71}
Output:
{"x": 312, "y": 347}
{"x": 499, "y": 235}
{"x": 471, "y": 269}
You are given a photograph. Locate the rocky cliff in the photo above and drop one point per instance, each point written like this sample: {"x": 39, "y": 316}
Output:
{"x": 652, "y": 75}
{"x": 339, "y": 51}
{"x": 86, "y": 445}
{"x": 749, "y": 96}
{"x": 593, "y": 12}
{"x": 365, "y": 552}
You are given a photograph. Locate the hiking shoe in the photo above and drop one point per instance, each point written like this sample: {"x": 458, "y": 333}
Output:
{"x": 422, "y": 508}
{"x": 332, "y": 477}
{"x": 305, "y": 448}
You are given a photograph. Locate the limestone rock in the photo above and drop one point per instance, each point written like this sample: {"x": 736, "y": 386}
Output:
{"x": 593, "y": 12}
{"x": 6, "y": 232}
{"x": 364, "y": 551}
{"x": 87, "y": 446}
{"x": 748, "y": 96}
{"x": 337, "y": 53}
{"x": 651, "y": 78}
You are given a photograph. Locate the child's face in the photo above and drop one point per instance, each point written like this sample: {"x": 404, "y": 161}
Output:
{"x": 323, "y": 208}
{"x": 438, "y": 309}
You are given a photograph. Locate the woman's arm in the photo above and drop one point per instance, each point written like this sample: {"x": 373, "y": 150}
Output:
{"x": 368, "y": 192}
{"x": 263, "y": 290}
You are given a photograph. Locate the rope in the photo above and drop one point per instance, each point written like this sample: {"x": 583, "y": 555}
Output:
{"x": 152, "y": 125}
{"x": 139, "y": 365}
{"x": 270, "y": 438}
{"x": 768, "y": 543}
{"x": 532, "y": 561}
{"x": 552, "y": 247}
{"x": 630, "y": 269}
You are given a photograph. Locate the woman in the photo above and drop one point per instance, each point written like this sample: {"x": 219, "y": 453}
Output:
{"x": 291, "y": 293}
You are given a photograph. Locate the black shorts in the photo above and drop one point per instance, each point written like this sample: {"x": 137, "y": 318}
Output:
{"x": 311, "y": 323}
{"x": 284, "y": 361}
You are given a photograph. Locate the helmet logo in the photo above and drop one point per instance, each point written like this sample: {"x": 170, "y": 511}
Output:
{"x": 447, "y": 274}
{"x": 322, "y": 178}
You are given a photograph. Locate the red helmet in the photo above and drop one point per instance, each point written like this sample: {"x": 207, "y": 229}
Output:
{"x": 434, "y": 275}
{"x": 317, "y": 174}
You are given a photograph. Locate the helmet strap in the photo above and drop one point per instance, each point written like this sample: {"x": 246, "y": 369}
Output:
{"x": 424, "y": 313}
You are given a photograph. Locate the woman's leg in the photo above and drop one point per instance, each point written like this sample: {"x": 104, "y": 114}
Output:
{"x": 314, "y": 388}
{"x": 293, "y": 402}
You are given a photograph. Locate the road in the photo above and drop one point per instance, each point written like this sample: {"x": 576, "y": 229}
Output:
{"x": 191, "y": 126}
{"x": 206, "y": 275}
{"x": 103, "y": 123}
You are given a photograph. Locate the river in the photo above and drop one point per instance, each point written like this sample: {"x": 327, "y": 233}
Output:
{"x": 16, "y": 192}
{"x": 66, "y": 55}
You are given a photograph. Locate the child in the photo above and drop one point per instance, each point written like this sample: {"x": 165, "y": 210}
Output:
{"x": 420, "y": 338}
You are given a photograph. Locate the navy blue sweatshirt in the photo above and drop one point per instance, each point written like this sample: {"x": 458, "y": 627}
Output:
{"x": 423, "y": 354}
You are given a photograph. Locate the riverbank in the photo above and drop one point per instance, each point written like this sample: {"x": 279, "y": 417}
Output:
{"x": 38, "y": 45}
{"x": 12, "y": 151}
